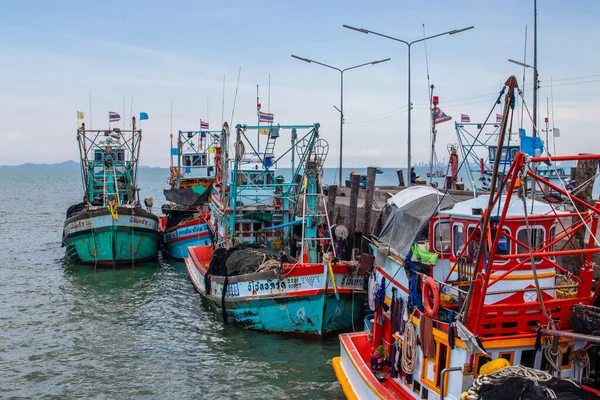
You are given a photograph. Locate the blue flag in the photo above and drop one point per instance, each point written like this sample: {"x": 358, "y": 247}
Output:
{"x": 143, "y": 116}
{"x": 174, "y": 151}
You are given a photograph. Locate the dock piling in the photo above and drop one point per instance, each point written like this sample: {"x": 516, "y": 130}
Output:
{"x": 354, "y": 187}
{"x": 366, "y": 226}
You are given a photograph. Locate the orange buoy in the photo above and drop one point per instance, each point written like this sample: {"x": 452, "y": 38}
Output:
{"x": 431, "y": 297}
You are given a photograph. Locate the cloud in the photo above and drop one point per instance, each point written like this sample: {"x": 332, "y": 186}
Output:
{"x": 14, "y": 136}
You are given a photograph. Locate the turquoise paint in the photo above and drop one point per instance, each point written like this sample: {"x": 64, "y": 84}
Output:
{"x": 127, "y": 246}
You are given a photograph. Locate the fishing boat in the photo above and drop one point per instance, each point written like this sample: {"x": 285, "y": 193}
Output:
{"x": 192, "y": 174}
{"x": 487, "y": 287}
{"x": 110, "y": 226}
{"x": 271, "y": 270}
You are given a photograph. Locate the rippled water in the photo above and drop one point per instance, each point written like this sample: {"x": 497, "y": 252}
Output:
{"x": 69, "y": 331}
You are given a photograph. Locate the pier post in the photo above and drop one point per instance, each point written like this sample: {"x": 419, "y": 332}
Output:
{"x": 354, "y": 187}
{"x": 368, "y": 207}
{"x": 585, "y": 170}
{"x": 331, "y": 196}
{"x": 400, "y": 177}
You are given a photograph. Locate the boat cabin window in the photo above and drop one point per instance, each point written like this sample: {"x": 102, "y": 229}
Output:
{"x": 473, "y": 247}
{"x": 503, "y": 247}
{"x": 98, "y": 155}
{"x": 508, "y": 154}
{"x": 270, "y": 179}
{"x": 552, "y": 234}
{"x": 257, "y": 178}
{"x": 528, "y": 358}
{"x": 537, "y": 238}
{"x": 194, "y": 160}
{"x": 441, "y": 233}
{"x": 458, "y": 239}
{"x": 120, "y": 155}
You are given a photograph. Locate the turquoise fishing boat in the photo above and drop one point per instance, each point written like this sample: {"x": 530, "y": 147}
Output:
{"x": 274, "y": 266}
{"x": 190, "y": 183}
{"x": 110, "y": 226}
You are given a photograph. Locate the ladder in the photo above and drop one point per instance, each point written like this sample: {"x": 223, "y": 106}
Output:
{"x": 270, "y": 146}
{"x": 314, "y": 210}
{"x": 114, "y": 187}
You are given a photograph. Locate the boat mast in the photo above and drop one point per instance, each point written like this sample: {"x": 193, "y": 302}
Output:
{"x": 535, "y": 69}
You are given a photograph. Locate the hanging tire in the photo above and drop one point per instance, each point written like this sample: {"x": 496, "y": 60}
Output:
{"x": 431, "y": 298}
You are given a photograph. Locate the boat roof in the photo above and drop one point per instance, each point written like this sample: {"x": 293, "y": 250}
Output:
{"x": 464, "y": 209}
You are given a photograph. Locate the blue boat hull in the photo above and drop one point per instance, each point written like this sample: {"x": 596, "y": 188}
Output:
{"x": 179, "y": 238}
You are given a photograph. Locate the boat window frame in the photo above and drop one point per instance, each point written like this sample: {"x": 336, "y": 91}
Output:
{"x": 435, "y": 241}
{"x": 456, "y": 251}
{"x": 510, "y": 354}
{"x": 509, "y": 246}
{"x": 542, "y": 228}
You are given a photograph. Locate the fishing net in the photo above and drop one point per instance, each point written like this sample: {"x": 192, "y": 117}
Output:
{"x": 516, "y": 388}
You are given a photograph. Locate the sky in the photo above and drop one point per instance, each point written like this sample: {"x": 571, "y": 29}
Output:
{"x": 138, "y": 56}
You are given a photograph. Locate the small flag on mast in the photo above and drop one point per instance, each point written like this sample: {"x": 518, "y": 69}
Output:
{"x": 80, "y": 114}
{"x": 556, "y": 132}
{"x": 265, "y": 117}
{"x": 203, "y": 125}
{"x": 143, "y": 116}
{"x": 465, "y": 118}
{"x": 113, "y": 116}
{"x": 499, "y": 118}
{"x": 439, "y": 116}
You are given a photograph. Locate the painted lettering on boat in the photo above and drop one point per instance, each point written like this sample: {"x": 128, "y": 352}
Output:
{"x": 189, "y": 230}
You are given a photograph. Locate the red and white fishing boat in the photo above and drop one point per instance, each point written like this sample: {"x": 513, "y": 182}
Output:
{"x": 478, "y": 296}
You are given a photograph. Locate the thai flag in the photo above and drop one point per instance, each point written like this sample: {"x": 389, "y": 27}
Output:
{"x": 439, "y": 116}
{"x": 203, "y": 125}
{"x": 113, "y": 116}
{"x": 465, "y": 118}
{"x": 499, "y": 118}
{"x": 265, "y": 117}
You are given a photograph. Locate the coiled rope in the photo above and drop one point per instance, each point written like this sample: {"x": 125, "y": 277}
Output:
{"x": 409, "y": 348}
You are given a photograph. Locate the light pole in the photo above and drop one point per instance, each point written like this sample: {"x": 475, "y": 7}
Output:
{"x": 535, "y": 89}
{"x": 409, "y": 44}
{"x": 341, "y": 109}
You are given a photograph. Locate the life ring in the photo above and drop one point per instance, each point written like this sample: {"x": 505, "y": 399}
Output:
{"x": 430, "y": 289}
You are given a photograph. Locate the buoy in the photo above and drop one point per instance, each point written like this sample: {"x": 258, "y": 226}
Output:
{"x": 430, "y": 289}
{"x": 493, "y": 366}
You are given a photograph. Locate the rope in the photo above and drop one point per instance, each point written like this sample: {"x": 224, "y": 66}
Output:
{"x": 531, "y": 257}
{"x": 582, "y": 360}
{"x": 409, "y": 348}
{"x": 554, "y": 358}
{"x": 518, "y": 371}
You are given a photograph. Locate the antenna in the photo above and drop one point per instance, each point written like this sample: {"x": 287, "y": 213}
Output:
{"x": 171, "y": 130}
{"x": 524, "y": 67}
{"x": 269, "y": 97}
{"x": 236, "y": 92}
{"x": 223, "y": 103}
{"x": 90, "y": 109}
{"x": 553, "y": 128}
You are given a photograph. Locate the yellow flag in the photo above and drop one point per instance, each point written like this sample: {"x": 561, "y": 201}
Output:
{"x": 264, "y": 131}
{"x": 211, "y": 150}
{"x": 80, "y": 114}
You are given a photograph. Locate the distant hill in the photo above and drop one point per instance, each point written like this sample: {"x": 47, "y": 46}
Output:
{"x": 62, "y": 165}
{"x": 70, "y": 164}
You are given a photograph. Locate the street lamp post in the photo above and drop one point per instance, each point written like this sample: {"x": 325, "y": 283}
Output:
{"x": 341, "y": 109}
{"x": 409, "y": 44}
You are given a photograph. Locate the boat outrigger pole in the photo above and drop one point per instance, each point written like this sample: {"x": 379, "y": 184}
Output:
{"x": 509, "y": 103}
